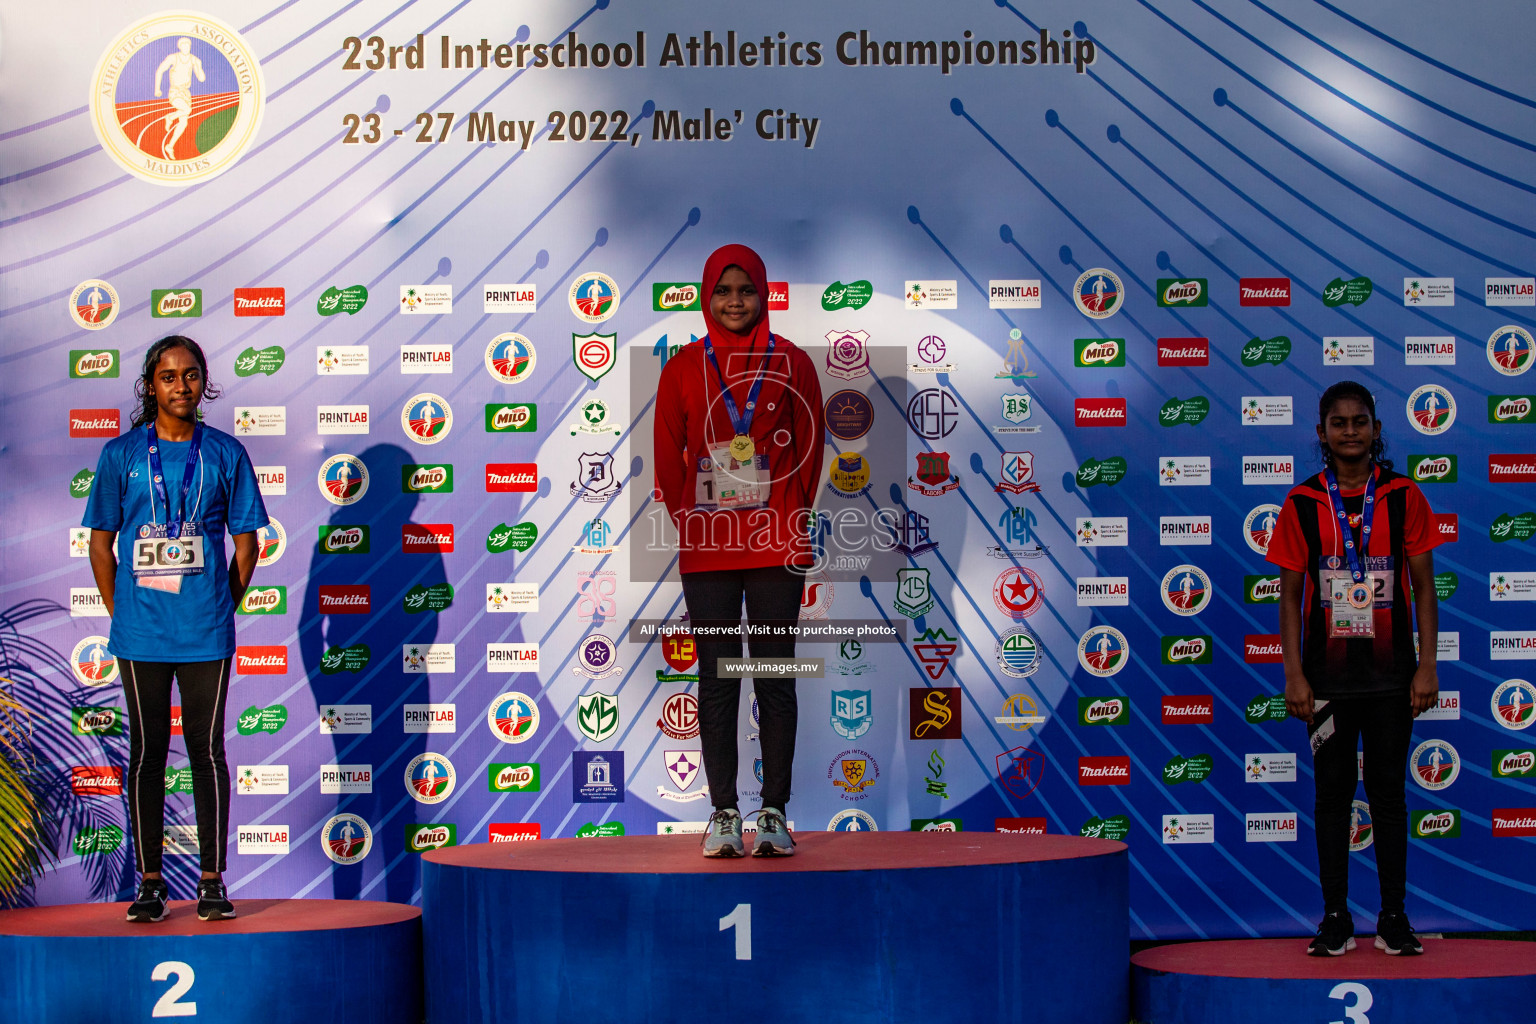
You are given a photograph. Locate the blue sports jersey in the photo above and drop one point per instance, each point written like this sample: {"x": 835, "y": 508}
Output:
{"x": 197, "y": 624}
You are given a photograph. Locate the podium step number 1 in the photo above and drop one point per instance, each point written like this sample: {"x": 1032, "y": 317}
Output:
{"x": 741, "y": 920}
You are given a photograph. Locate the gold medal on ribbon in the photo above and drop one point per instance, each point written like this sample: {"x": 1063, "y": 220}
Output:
{"x": 742, "y": 448}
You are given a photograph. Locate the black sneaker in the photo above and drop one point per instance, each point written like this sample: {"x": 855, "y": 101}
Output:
{"x": 1335, "y": 936}
{"x": 1394, "y": 935}
{"x": 213, "y": 900}
{"x": 149, "y": 905}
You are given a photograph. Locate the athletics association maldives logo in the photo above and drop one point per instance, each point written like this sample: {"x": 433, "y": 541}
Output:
{"x": 93, "y": 304}
{"x": 1103, "y": 651}
{"x": 513, "y": 717}
{"x": 510, "y": 358}
{"x": 1434, "y": 764}
{"x": 426, "y": 418}
{"x": 1513, "y": 703}
{"x": 1259, "y": 527}
{"x": 429, "y": 778}
{"x": 271, "y": 542}
{"x": 346, "y": 839}
{"x": 1097, "y": 293}
{"x": 343, "y": 479}
{"x": 1431, "y": 409}
{"x": 1186, "y": 590}
{"x": 177, "y": 98}
{"x": 1510, "y": 350}
{"x": 594, "y": 297}
{"x": 93, "y": 664}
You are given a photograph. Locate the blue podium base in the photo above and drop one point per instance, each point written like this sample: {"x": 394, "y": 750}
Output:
{"x": 1273, "y": 981}
{"x": 901, "y": 926}
{"x": 336, "y": 961}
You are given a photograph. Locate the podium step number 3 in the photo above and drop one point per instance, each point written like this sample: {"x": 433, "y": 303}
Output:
{"x": 1353, "y": 1014}
{"x": 741, "y": 920}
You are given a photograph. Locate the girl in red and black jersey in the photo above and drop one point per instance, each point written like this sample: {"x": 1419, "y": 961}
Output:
{"x": 1355, "y": 549}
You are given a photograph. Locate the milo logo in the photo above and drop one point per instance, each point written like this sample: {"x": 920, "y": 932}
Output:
{"x": 80, "y": 483}
{"x": 1117, "y": 827}
{"x": 1175, "y": 291}
{"x": 1436, "y": 824}
{"x": 345, "y": 659}
{"x": 1445, "y": 585}
{"x": 1509, "y": 764}
{"x": 1261, "y": 589}
{"x": 178, "y": 780}
{"x": 97, "y": 721}
{"x": 1108, "y": 471}
{"x": 672, "y": 298}
{"x": 264, "y": 601}
{"x": 1189, "y": 411}
{"x": 342, "y": 300}
{"x": 105, "y": 839}
{"x": 1266, "y": 709}
{"x": 254, "y": 720}
{"x": 1271, "y": 350}
{"x": 608, "y": 828}
{"x": 416, "y": 479}
{"x": 85, "y": 363}
{"x": 1188, "y": 769}
{"x": 520, "y": 419}
{"x": 420, "y": 838}
{"x": 846, "y": 296}
{"x": 1510, "y": 409}
{"x": 253, "y": 361}
{"x": 421, "y": 598}
{"x": 344, "y": 540}
{"x": 511, "y": 538}
{"x": 1190, "y": 650}
{"x": 509, "y": 778}
{"x": 1339, "y": 291}
{"x": 1100, "y": 352}
{"x": 1103, "y": 710}
{"x": 1427, "y": 469}
{"x": 166, "y": 302}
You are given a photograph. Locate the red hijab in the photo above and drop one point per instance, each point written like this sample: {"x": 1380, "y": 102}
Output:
{"x": 721, "y": 260}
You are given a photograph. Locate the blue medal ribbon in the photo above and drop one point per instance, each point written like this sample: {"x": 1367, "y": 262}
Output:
{"x": 157, "y": 478}
{"x": 742, "y": 424}
{"x": 1367, "y": 514}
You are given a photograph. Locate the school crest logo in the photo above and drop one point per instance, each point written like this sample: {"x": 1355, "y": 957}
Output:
{"x": 594, "y": 354}
{"x": 1019, "y": 770}
{"x": 851, "y": 715}
{"x": 177, "y": 98}
{"x": 595, "y": 479}
{"x": 847, "y": 357}
{"x": 1018, "y": 473}
{"x": 933, "y": 476}
{"x": 598, "y": 715}
{"x": 1018, "y": 593}
{"x": 913, "y": 597}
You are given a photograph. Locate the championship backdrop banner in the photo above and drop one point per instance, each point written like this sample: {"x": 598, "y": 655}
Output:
{"x": 1074, "y": 286}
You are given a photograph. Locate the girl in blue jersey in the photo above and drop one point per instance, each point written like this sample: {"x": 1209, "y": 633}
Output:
{"x": 165, "y": 495}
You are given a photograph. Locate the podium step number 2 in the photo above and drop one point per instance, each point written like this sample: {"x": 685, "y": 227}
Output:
{"x": 741, "y": 920}
{"x": 169, "y": 1004}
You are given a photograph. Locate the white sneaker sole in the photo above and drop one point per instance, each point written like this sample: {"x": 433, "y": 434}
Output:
{"x": 1349, "y": 944}
{"x": 1381, "y": 944}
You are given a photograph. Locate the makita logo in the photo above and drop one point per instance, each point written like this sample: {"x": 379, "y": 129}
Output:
{"x": 1514, "y": 821}
{"x": 1434, "y": 469}
{"x": 96, "y": 780}
{"x": 94, "y": 422}
{"x": 261, "y": 661}
{"x": 1264, "y": 291}
{"x": 1432, "y": 824}
{"x": 342, "y": 540}
{"x": 1515, "y": 408}
{"x": 1020, "y": 826}
{"x": 514, "y": 832}
{"x": 1262, "y": 647}
{"x": 173, "y": 303}
{"x": 1190, "y": 649}
{"x": 260, "y": 302}
{"x": 1188, "y": 710}
{"x": 679, "y": 297}
{"x": 778, "y": 295}
{"x": 417, "y": 537}
{"x": 1448, "y": 525}
{"x": 344, "y": 600}
{"x": 512, "y": 417}
{"x": 514, "y": 777}
{"x": 428, "y": 477}
{"x": 1103, "y": 771}
{"x": 1104, "y": 710}
{"x": 1100, "y": 412}
{"x": 1183, "y": 352}
{"x": 1517, "y": 762}
{"x": 512, "y": 476}
{"x": 1183, "y": 293}
{"x": 1512, "y": 468}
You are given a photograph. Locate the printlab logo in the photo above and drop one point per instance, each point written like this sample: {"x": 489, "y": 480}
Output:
{"x": 177, "y": 98}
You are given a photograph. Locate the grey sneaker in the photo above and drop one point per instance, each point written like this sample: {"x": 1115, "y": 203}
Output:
{"x": 773, "y": 838}
{"x": 723, "y": 836}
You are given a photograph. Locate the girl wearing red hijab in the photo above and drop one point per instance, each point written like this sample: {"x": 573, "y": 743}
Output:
{"x": 739, "y": 427}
